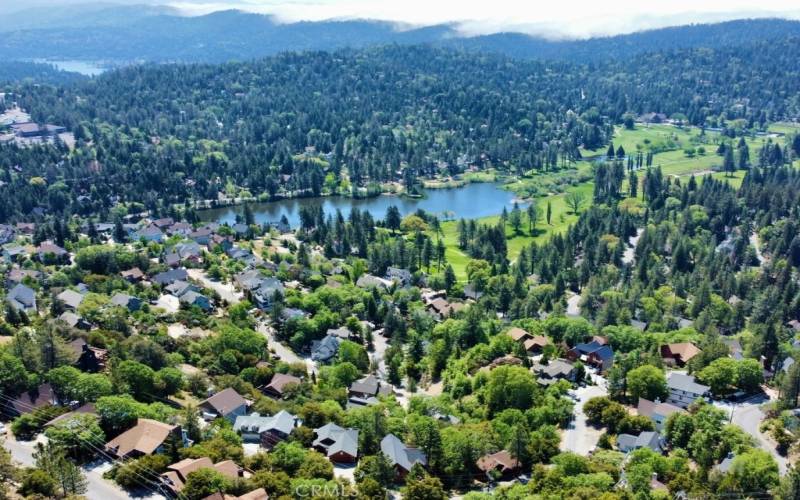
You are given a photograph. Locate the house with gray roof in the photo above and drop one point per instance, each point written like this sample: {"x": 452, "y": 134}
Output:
{"x": 266, "y": 430}
{"x": 71, "y": 299}
{"x": 646, "y": 439}
{"x": 171, "y": 276}
{"x": 684, "y": 390}
{"x": 22, "y": 298}
{"x": 402, "y": 457}
{"x": 324, "y": 350}
{"x": 337, "y": 443}
{"x": 657, "y": 411}
{"x": 129, "y": 302}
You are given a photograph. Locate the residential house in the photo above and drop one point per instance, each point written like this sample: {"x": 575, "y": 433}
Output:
{"x": 735, "y": 347}
{"x": 178, "y": 473}
{"x": 441, "y": 308}
{"x": 257, "y": 494}
{"x": 14, "y": 253}
{"x": 338, "y": 444}
{"x": 163, "y": 223}
{"x": 88, "y": 358}
{"x": 197, "y": 300}
{"x": 86, "y": 409}
{"x": 535, "y": 344}
{"x": 371, "y": 281}
{"x": 22, "y": 298}
{"x": 657, "y": 411}
{"x": 501, "y": 463}
{"x": 368, "y": 387}
{"x": 49, "y": 251}
{"x": 71, "y": 299}
{"x": 149, "y": 233}
{"x": 7, "y": 234}
{"x": 264, "y": 295}
{"x": 171, "y": 276}
{"x": 402, "y": 457}
{"x": 555, "y": 370}
{"x": 518, "y": 334}
{"x": 400, "y": 276}
{"x": 31, "y": 400}
{"x": 679, "y": 354}
{"x": 684, "y": 390}
{"x": 145, "y": 438}
{"x": 129, "y": 302}
{"x": 324, "y": 350}
{"x": 227, "y": 404}
{"x": 134, "y": 275}
{"x": 594, "y": 353}
{"x": 268, "y": 431}
{"x": 279, "y": 385}
{"x": 645, "y": 439}
{"x": 74, "y": 321}
{"x": 180, "y": 287}
{"x": 202, "y": 235}
{"x": 17, "y": 275}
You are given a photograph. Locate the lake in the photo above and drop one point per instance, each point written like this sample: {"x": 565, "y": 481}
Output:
{"x": 87, "y": 68}
{"x": 468, "y": 202}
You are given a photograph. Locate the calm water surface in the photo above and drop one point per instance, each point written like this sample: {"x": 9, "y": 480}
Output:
{"x": 469, "y": 202}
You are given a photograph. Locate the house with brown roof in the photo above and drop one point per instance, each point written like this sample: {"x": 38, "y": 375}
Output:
{"x": 518, "y": 334}
{"x": 657, "y": 411}
{"x": 442, "y": 308}
{"x": 679, "y": 354}
{"x": 535, "y": 344}
{"x": 178, "y": 473}
{"x": 31, "y": 400}
{"x": 258, "y": 494}
{"x": 279, "y": 385}
{"x": 134, "y": 275}
{"x": 501, "y": 463}
{"x": 227, "y": 404}
{"x": 89, "y": 358}
{"x": 145, "y": 438}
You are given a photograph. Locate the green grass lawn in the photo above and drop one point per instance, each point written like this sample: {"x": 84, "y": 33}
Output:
{"x": 560, "y": 220}
{"x": 670, "y": 144}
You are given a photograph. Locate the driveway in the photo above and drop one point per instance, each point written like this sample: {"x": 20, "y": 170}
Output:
{"x": 748, "y": 416}
{"x": 96, "y": 486}
{"x": 284, "y": 353}
{"x": 226, "y": 291}
{"x": 580, "y": 437}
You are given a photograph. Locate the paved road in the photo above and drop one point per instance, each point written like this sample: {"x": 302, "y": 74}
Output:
{"x": 97, "y": 488}
{"x": 225, "y": 290}
{"x": 282, "y": 351}
{"x": 580, "y": 437}
{"x": 748, "y": 416}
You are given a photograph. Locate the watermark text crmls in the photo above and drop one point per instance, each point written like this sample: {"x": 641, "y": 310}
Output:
{"x": 327, "y": 490}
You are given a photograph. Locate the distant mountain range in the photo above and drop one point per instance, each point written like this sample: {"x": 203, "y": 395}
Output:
{"x": 123, "y": 34}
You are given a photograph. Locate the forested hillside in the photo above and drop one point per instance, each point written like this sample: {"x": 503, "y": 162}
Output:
{"x": 165, "y": 134}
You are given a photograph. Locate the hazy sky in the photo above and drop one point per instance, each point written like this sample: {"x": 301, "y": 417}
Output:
{"x": 555, "y": 18}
